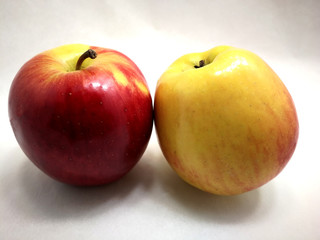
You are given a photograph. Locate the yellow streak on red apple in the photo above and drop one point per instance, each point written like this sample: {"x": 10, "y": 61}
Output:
{"x": 119, "y": 77}
{"x": 142, "y": 87}
{"x": 74, "y": 51}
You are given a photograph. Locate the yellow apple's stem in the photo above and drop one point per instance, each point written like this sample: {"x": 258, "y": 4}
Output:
{"x": 201, "y": 64}
{"x": 89, "y": 53}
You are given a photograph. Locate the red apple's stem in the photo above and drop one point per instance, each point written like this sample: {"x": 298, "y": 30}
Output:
{"x": 90, "y": 53}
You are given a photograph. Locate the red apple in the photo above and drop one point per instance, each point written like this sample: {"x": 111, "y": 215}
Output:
{"x": 82, "y": 121}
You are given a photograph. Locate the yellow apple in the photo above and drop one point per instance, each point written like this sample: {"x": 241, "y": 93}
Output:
{"x": 225, "y": 121}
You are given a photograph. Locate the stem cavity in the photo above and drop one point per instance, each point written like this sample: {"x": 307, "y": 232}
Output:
{"x": 201, "y": 64}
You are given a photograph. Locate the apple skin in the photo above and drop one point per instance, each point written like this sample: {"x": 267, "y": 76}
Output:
{"x": 81, "y": 127}
{"x": 227, "y": 127}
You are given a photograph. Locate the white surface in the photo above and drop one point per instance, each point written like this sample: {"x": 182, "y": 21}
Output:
{"x": 151, "y": 202}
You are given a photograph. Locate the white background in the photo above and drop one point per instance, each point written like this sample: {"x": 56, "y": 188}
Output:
{"x": 151, "y": 202}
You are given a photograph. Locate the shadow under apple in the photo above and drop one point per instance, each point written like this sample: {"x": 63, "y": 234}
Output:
{"x": 42, "y": 197}
{"x": 196, "y": 204}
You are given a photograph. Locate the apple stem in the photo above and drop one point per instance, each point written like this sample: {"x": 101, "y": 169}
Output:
{"x": 201, "y": 64}
{"x": 89, "y": 53}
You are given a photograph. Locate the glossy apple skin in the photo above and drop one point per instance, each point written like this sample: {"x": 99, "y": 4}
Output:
{"x": 227, "y": 127}
{"x": 85, "y": 127}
